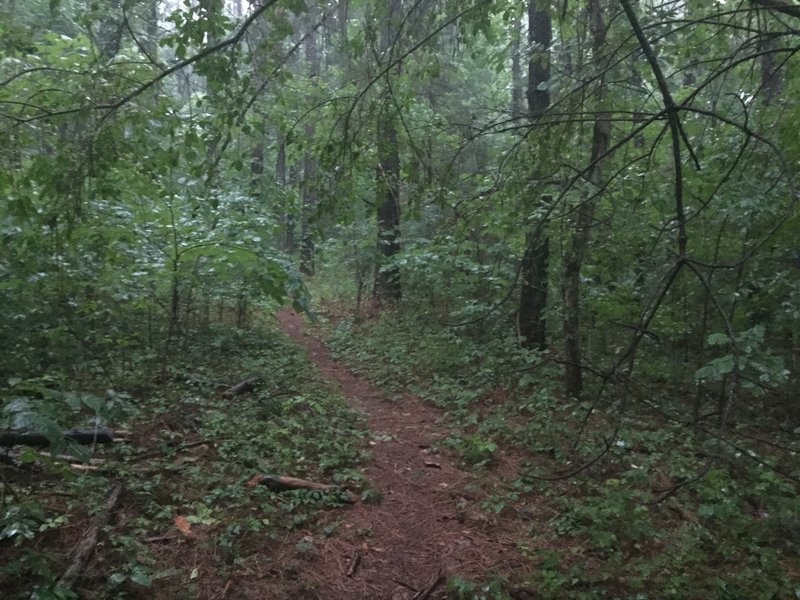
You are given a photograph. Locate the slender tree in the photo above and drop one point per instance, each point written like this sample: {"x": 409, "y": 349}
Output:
{"x": 517, "y": 83}
{"x": 533, "y": 270}
{"x": 573, "y": 261}
{"x": 310, "y": 165}
{"x": 387, "y": 175}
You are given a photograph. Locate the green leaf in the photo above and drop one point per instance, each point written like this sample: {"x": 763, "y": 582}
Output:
{"x": 706, "y": 511}
{"x": 714, "y": 370}
{"x": 93, "y": 402}
{"x": 139, "y": 577}
{"x": 73, "y": 400}
{"x": 718, "y": 339}
{"x": 725, "y": 364}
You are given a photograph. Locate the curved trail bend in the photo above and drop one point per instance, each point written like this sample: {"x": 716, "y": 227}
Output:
{"x": 427, "y": 522}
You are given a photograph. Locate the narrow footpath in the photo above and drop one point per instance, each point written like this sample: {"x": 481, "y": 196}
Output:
{"x": 428, "y": 526}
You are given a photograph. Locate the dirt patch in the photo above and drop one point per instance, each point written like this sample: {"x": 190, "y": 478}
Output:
{"x": 427, "y": 520}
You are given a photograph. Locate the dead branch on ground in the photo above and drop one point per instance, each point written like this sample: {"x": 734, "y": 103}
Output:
{"x": 282, "y": 483}
{"x": 248, "y": 385}
{"x": 86, "y": 546}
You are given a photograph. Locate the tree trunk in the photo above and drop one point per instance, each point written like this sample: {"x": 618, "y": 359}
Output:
{"x": 771, "y": 77}
{"x": 387, "y": 278}
{"x": 342, "y": 17}
{"x": 310, "y": 166}
{"x": 257, "y": 163}
{"x": 289, "y": 244}
{"x": 387, "y": 177}
{"x": 307, "y": 265}
{"x": 573, "y": 262}
{"x": 110, "y": 29}
{"x": 540, "y": 37}
{"x": 533, "y": 270}
{"x": 533, "y": 293}
{"x": 153, "y": 37}
{"x": 517, "y": 93}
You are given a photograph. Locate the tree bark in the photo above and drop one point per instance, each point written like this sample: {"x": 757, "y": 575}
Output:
{"x": 517, "y": 83}
{"x": 534, "y": 267}
{"x": 289, "y": 209}
{"x": 310, "y": 166}
{"x": 257, "y": 163}
{"x": 387, "y": 278}
{"x": 387, "y": 178}
{"x": 540, "y": 37}
{"x": 771, "y": 76}
{"x": 573, "y": 262}
{"x": 109, "y": 32}
{"x": 533, "y": 292}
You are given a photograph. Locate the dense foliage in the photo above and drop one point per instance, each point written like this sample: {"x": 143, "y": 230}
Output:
{"x": 578, "y": 222}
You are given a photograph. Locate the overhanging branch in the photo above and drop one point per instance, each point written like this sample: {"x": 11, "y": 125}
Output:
{"x": 792, "y": 10}
{"x": 112, "y": 106}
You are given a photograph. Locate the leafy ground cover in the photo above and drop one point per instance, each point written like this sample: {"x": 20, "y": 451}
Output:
{"x": 644, "y": 507}
{"x": 484, "y": 486}
{"x": 188, "y": 524}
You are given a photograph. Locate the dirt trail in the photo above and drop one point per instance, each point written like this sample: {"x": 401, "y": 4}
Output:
{"x": 427, "y": 522}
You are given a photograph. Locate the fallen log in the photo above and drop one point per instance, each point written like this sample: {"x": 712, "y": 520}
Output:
{"x": 86, "y": 546}
{"x": 70, "y": 459}
{"x": 282, "y": 483}
{"x": 248, "y": 385}
{"x": 40, "y": 440}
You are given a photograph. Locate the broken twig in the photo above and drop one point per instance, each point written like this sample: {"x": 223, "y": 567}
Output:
{"x": 354, "y": 562}
{"x": 281, "y": 482}
{"x": 248, "y": 385}
{"x": 86, "y": 546}
{"x": 425, "y": 592}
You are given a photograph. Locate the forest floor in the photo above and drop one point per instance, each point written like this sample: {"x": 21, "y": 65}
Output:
{"x": 191, "y": 523}
{"x": 427, "y": 525}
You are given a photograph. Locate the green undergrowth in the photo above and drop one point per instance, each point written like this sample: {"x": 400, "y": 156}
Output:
{"x": 654, "y": 511}
{"x": 188, "y": 517}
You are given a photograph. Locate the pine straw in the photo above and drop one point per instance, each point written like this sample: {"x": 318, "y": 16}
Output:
{"x": 428, "y": 520}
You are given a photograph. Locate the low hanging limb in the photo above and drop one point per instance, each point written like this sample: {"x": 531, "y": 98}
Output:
{"x": 86, "y": 546}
